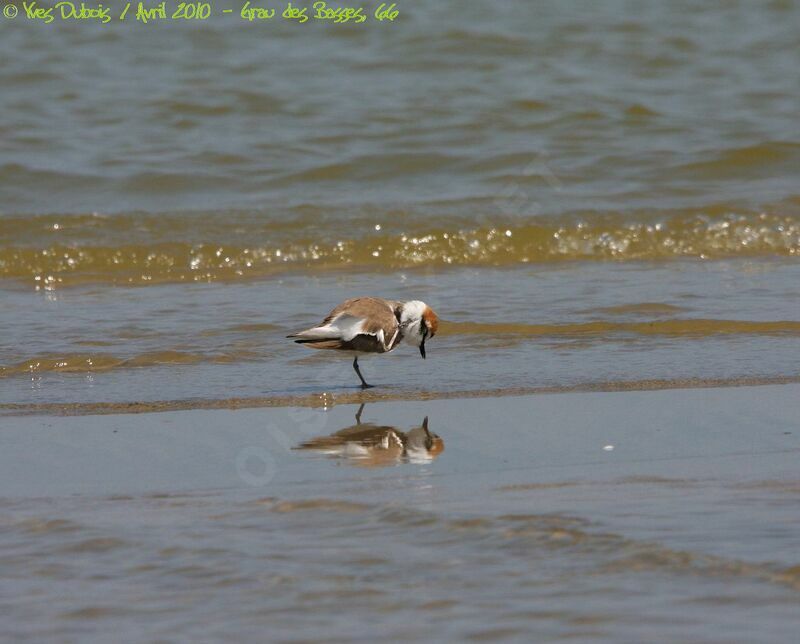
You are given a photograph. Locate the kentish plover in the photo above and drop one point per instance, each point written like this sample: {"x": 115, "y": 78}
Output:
{"x": 365, "y": 325}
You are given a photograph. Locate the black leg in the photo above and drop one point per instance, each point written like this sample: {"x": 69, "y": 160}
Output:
{"x": 364, "y": 384}
{"x": 358, "y": 414}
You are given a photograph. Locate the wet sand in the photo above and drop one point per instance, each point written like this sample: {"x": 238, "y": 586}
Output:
{"x": 326, "y": 399}
{"x": 632, "y": 515}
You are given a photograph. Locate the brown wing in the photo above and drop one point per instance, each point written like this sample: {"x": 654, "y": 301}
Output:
{"x": 356, "y": 324}
{"x": 378, "y": 315}
{"x": 381, "y": 313}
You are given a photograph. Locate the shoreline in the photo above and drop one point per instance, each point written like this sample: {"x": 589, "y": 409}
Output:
{"x": 330, "y": 399}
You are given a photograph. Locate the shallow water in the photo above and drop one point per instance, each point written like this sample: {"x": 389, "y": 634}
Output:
{"x": 618, "y": 517}
{"x": 523, "y": 328}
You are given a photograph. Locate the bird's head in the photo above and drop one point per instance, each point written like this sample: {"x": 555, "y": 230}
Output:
{"x": 422, "y": 445}
{"x": 419, "y": 323}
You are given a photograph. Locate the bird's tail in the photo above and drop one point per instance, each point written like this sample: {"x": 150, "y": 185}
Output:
{"x": 315, "y": 334}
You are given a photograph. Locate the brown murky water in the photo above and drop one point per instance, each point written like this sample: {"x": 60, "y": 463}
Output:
{"x": 593, "y": 198}
{"x": 608, "y": 196}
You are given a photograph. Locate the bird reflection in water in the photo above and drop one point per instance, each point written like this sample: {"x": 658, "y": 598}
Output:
{"x": 370, "y": 445}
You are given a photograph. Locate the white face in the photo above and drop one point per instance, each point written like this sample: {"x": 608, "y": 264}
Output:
{"x": 413, "y": 333}
{"x": 411, "y": 320}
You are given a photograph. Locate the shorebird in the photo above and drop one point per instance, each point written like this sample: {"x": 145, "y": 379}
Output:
{"x": 365, "y": 325}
